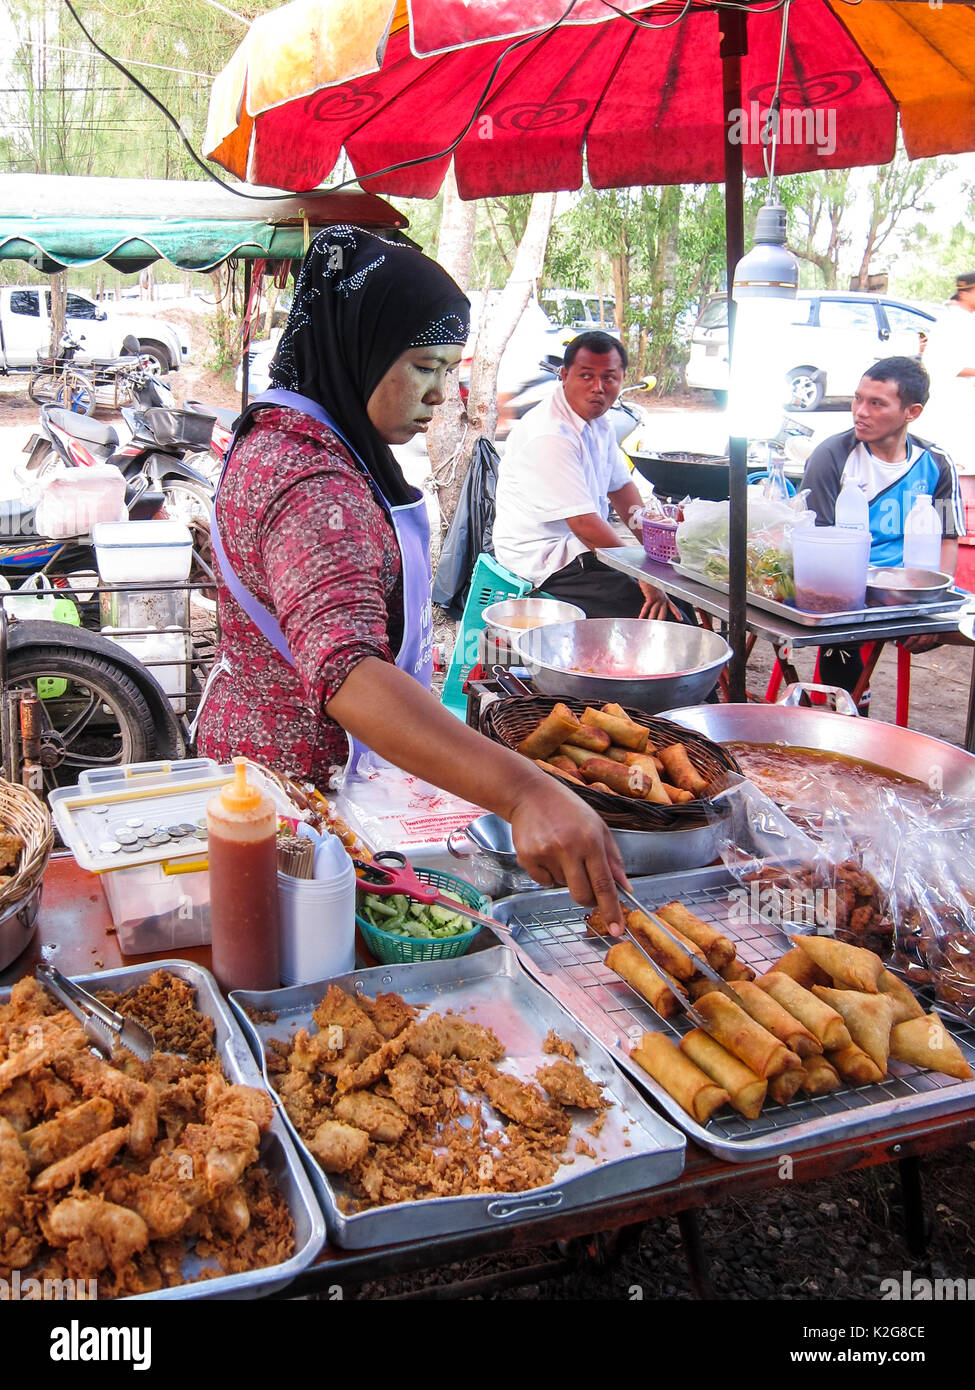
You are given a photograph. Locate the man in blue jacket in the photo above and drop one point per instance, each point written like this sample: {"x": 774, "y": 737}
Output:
{"x": 892, "y": 466}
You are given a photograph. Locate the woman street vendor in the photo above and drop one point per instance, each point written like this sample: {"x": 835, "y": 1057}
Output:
{"x": 324, "y": 569}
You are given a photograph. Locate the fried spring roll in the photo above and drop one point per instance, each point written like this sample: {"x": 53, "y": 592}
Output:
{"x": 820, "y": 1077}
{"x": 821, "y": 1020}
{"x": 771, "y": 1015}
{"x": 747, "y": 1091}
{"x": 855, "y": 1066}
{"x": 564, "y": 764}
{"x": 677, "y": 795}
{"x": 558, "y": 771}
{"x": 736, "y": 970}
{"x": 680, "y": 1078}
{"x": 632, "y": 966}
{"x": 680, "y": 770}
{"x": 626, "y": 781}
{"x": 596, "y": 740}
{"x": 622, "y": 731}
{"x": 677, "y": 960}
{"x": 574, "y": 754}
{"x": 549, "y": 733}
{"x": 783, "y": 1087}
{"x": 748, "y": 1040}
{"x": 719, "y": 950}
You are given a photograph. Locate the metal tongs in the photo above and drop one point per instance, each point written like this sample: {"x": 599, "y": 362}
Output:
{"x": 105, "y": 1029}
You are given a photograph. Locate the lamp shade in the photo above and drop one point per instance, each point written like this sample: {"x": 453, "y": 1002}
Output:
{"x": 768, "y": 271}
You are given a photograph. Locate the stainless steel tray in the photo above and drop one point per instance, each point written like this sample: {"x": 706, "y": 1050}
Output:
{"x": 492, "y": 989}
{"x": 616, "y": 1015}
{"x": 278, "y": 1155}
{"x": 954, "y": 601}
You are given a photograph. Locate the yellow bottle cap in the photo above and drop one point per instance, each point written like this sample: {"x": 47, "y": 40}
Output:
{"x": 240, "y": 795}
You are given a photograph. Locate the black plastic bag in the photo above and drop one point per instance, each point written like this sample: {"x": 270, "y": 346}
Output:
{"x": 470, "y": 532}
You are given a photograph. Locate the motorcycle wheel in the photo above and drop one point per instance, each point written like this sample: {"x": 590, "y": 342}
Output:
{"x": 76, "y": 393}
{"x": 92, "y": 713}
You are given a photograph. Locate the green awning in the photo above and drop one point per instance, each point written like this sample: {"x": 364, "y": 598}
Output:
{"x": 60, "y": 223}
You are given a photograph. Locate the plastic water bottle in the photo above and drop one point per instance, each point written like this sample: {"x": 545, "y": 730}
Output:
{"x": 852, "y": 509}
{"x": 922, "y": 535}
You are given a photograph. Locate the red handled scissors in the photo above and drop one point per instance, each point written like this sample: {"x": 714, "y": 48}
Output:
{"x": 390, "y": 872}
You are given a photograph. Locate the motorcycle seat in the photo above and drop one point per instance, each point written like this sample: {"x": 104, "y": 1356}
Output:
{"x": 83, "y": 428}
{"x": 227, "y": 418}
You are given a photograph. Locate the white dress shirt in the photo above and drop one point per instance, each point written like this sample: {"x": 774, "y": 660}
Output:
{"x": 555, "y": 465}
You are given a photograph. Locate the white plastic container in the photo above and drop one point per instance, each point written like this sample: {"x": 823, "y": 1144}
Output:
{"x": 852, "y": 507}
{"x": 164, "y": 654}
{"x": 135, "y": 607}
{"x": 79, "y": 500}
{"x": 317, "y": 916}
{"x": 143, "y": 552}
{"x": 922, "y": 535}
{"x": 156, "y": 911}
{"x": 830, "y": 564}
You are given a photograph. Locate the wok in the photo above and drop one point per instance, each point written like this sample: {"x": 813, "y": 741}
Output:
{"x": 886, "y": 745}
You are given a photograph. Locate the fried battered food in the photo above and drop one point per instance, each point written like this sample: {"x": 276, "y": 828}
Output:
{"x": 382, "y": 1119}
{"x": 451, "y": 1036}
{"x": 554, "y": 1045}
{"x": 389, "y": 1012}
{"x": 519, "y": 1100}
{"x": 568, "y": 1084}
{"x": 157, "y": 1155}
{"x": 79, "y": 1125}
{"x": 90, "y": 1158}
{"x": 338, "y": 1147}
{"x": 375, "y": 1066}
{"x": 10, "y": 846}
{"x": 411, "y": 1086}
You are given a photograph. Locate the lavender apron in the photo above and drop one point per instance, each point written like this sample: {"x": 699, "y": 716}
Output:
{"x": 412, "y": 528}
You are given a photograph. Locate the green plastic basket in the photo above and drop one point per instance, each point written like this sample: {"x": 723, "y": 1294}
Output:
{"x": 391, "y": 949}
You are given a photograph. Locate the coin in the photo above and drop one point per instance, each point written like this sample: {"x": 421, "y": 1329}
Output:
{"x": 132, "y": 849}
{"x": 125, "y": 836}
{"x": 100, "y": 810}
{"x": 109, "y": 847}
{"x": 155, "y": 840}
{"x": 134, "y": 823}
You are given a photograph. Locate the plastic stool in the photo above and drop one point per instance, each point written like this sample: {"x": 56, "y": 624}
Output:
{"x": 490, "y": 583}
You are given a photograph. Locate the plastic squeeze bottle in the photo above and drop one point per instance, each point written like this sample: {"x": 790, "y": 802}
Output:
{"x": 852, "y": 509}
{"x": 242, "y": 829}
{"x": 922, "y": 535}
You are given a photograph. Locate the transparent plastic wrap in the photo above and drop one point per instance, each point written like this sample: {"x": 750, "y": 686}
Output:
{"x": 825, "y": 877}
{"x": 703, "y": 542}
{"x": 933, "y": 899}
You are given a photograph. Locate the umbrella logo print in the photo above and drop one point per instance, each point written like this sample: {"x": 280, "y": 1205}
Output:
{"x": 824, "y": 87}
{"x": 341, "y": 104}
{"x": 537, "y": 115}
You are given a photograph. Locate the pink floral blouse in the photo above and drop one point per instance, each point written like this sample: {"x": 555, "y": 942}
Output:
{"x": 308, "y": 539}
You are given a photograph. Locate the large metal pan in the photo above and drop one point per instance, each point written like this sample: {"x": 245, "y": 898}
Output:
{"x": 630, "y": 661}
{"x": 911, "y": 754}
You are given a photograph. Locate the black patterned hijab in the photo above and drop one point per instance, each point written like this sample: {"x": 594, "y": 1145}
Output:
{"x": 360, "y": 302}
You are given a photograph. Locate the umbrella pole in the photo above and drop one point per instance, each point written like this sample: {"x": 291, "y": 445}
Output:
{"x": 733, "y": 47}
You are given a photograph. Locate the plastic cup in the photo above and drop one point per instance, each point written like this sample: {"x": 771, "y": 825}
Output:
{"x": 317, "y": 926}
{"x": 830, "y": 565}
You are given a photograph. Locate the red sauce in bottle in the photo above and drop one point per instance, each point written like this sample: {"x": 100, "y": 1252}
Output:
{"x": 242, "y": 829}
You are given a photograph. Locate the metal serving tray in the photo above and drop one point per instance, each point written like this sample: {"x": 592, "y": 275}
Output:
{"x": 277, "y": 1152}
{"x": 617, "y": 1016}
{"x": 635, "y": 1148}
{"x": 954, "y": 600}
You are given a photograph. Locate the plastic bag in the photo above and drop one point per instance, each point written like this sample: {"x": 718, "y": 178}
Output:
{"x": 703, "y": 541}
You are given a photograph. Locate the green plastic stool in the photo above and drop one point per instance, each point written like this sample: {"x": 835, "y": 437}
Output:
{"x": 490, "y": 583}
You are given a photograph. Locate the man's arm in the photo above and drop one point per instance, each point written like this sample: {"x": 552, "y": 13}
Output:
{"x": 628, "y": 506}
{"x": 949, "y": 557}
{"x": 823, "y": 477}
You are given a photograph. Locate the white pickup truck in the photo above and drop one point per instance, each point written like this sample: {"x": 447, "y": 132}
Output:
{"x": 25, "y": 330}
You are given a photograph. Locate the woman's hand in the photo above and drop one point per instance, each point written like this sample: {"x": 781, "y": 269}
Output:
{"x": 559, "y": 839}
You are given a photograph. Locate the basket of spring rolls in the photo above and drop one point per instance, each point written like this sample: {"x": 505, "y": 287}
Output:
{"x": 638, "y": 772}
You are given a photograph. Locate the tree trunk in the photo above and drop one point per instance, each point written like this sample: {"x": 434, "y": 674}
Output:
{"x": 446, "y": 436}
{"x": 59, "y": 305}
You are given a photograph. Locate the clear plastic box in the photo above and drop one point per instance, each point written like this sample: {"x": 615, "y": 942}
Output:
{"x": 156, "y": 911}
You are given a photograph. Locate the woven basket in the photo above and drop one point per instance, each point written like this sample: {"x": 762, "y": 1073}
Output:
{"x": 659, "y": 538}
{"x": 391, "y": 949}
{"x": 510, "y": 721}
{"x": 22, "y": 812}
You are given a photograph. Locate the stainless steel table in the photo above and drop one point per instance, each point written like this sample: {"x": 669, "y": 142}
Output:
{"x": 783, "y": 635}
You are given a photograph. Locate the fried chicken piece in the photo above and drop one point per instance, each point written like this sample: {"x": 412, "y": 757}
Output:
{"x": 18, "y": 1243}
{"x": 310, "y": 1051}
{"x": 90, "y": 1158}
{"x": 42, "y": 1041}
{"x": 165, "y": 1197}
{"x": 243, "y": 1101}
{"x": 453, "y": 1037}
{"x": 554, "y": 1044}
{"x": 568, "y": 1084}
{"x": 340, "y": 1010}
{"x": 389, "y": 1012}
{"x": 133, "y": 1098}
{"x": 10, "y": 846}
{"x": 520, "y": 1100}
{"x": 232, "y": 1214}
{"x": 411, "y": 1085}
{"x": 28, "y": 997}
{"x": 369, "y": 1071}
{"x": 19, "y": 1103}
{"x": 55, "y": 1139}
{"x": 338, "y": 1147}
{"x": 382, "y": 1119}
{"x": 110, "y": 1234}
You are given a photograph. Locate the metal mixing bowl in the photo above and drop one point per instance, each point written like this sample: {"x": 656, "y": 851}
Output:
{"x": 892, "y": 586}
{"x": 531, "y": 613}
{"x": 630, "y": 661}
{"x": 17, "y": 925}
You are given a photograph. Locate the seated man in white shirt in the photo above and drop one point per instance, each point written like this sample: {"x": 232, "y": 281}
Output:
{"x": 561, "y": 470}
